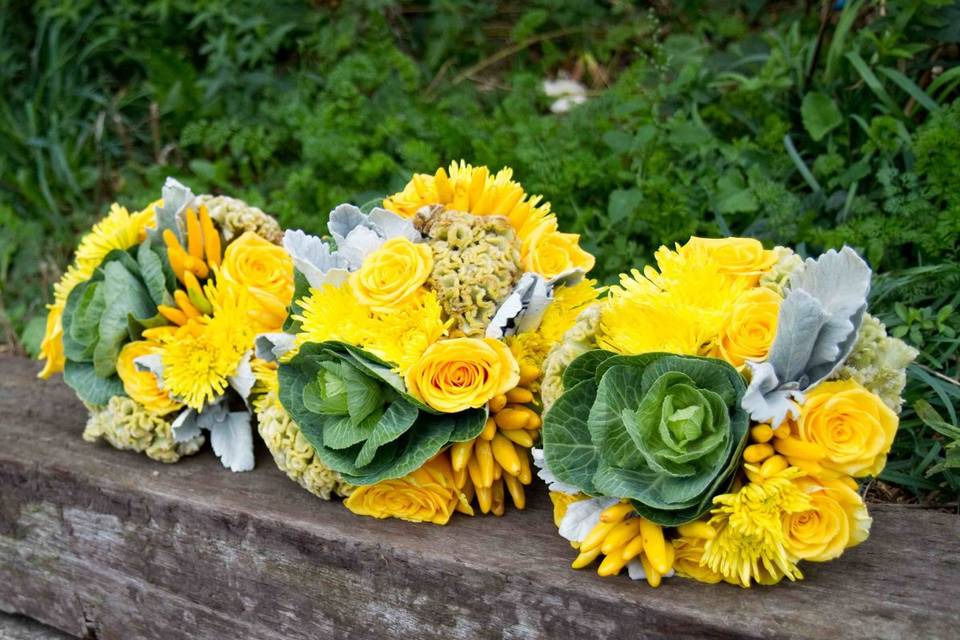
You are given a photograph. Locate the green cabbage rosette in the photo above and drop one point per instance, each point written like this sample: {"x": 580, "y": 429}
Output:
{"x": 110, "y": 309}
{"x": 664, "y": 431}
{"x": 355, "y": 411}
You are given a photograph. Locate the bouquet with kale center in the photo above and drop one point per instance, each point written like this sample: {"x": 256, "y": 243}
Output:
{"x": 410, "y": 364}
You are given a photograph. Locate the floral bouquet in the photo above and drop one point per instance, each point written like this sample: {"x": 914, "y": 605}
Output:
{"x": 153, "y": 324}
{"x": 409, "y": 370}
{"x": 711, "y": 417}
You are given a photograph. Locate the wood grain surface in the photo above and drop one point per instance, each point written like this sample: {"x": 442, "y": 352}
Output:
{"x": 110, "y": 545}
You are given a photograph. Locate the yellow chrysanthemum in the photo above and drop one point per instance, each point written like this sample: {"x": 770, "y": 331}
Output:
{"x": 200, "y": 356}
{"x": 118, "y": 230}
{"x": 750, "y": 545}
{"x": 399, "y": 336}
{"x": 567, "y": 304}
{"x": 680, "y": 307}
{"x": 475, "y": 191}
{"x": 532, "y": 347}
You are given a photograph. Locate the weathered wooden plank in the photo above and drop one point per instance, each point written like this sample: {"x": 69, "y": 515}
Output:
{"x": 13, "y": 627}
{"x": 108, "y": 544}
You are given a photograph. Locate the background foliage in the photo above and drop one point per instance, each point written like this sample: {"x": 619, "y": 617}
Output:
{"x": 804, "y": 123}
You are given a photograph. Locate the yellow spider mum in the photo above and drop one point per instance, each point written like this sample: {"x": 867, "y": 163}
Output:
{"x": 475, "y": 191}
{"x": 532, "y": 347}
{"x": 399, "y": 336}
{"x": 118, "y": 230}
{"x": 567, "y": 304}
{"x": 680, "y": 307}
{"x": 200, "y": 356}
{"x": 750, "y": 544}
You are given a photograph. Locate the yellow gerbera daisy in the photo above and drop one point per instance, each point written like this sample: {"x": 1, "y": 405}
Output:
{"x": 118, "y": 230}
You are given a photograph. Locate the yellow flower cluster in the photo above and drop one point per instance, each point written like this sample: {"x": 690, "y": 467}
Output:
{"x": 543, "y": 248}
{"x": 429, "y": 494}
{"x": 400, "y": 336}
{"x": 800, "y": 499}
{"x": 531, "y": 347}
{"x": 119, "y": 230}
{"x": 702, "y": 299}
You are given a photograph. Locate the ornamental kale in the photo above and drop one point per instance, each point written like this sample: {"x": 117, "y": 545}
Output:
{"x": 109, "y": 310}
{"x": 665, "y": 431}
{"x": 355, "y": 411}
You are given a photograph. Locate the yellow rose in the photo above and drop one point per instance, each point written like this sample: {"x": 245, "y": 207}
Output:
{"x": 751, "y": 327}
{"x": 837, "y": 520}
{"x": 266, "y": 271}
{"x": 853, "y": 425}
{"x": 391, "y": 274}
{"x": 142, "y": 386}
{"x": 429, "y": 494}
{"x": 51, "y": 348}
{"x": 462, "y": 373}
{"x": 736, "y": 256}
{"x": 687, "y": 553}
{"x": 548, "y": 252}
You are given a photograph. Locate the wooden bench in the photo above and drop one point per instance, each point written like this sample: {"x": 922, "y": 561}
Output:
{"x": 108, "y": 544}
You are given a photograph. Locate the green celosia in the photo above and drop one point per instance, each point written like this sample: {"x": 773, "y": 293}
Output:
{"x": 879, "y": 362}
{"x": 476, "y": 264}
{"x": 126, "y": 424}
{"x": 235, "y": 217}
{"x": 787, "y": 264}
{"x": 578, "y": 339}
{"x": 293, "y": 453}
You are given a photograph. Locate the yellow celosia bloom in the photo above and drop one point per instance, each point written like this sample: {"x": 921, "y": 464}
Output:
{"x": 475, "y": 191}
{"x": 399, "y": 336}
{"x": 200, "y": 356}
{"x": 118, "y": 230}
{"x": 680, "y": 307}
{"x": 750, "y": 544}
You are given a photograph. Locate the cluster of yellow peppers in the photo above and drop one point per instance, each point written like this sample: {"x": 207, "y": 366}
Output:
{"x": 773, "y": 450}
{"x": 497, "y": 462}
{"x": 202, "y": 254}
{"x": 621, "y": 536}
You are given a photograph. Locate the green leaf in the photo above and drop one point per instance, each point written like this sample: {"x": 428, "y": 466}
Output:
{"x": 151, "y": 270}
{"x": 89, "y": 386}
{"x": 584, "y": 367}
{"x": 124, "y": 296}
{"x": 820, "y": 114}
{"x": 394, "y": 422}
{"x": 733, "y": 194}
{"x": 567, "y": 448}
